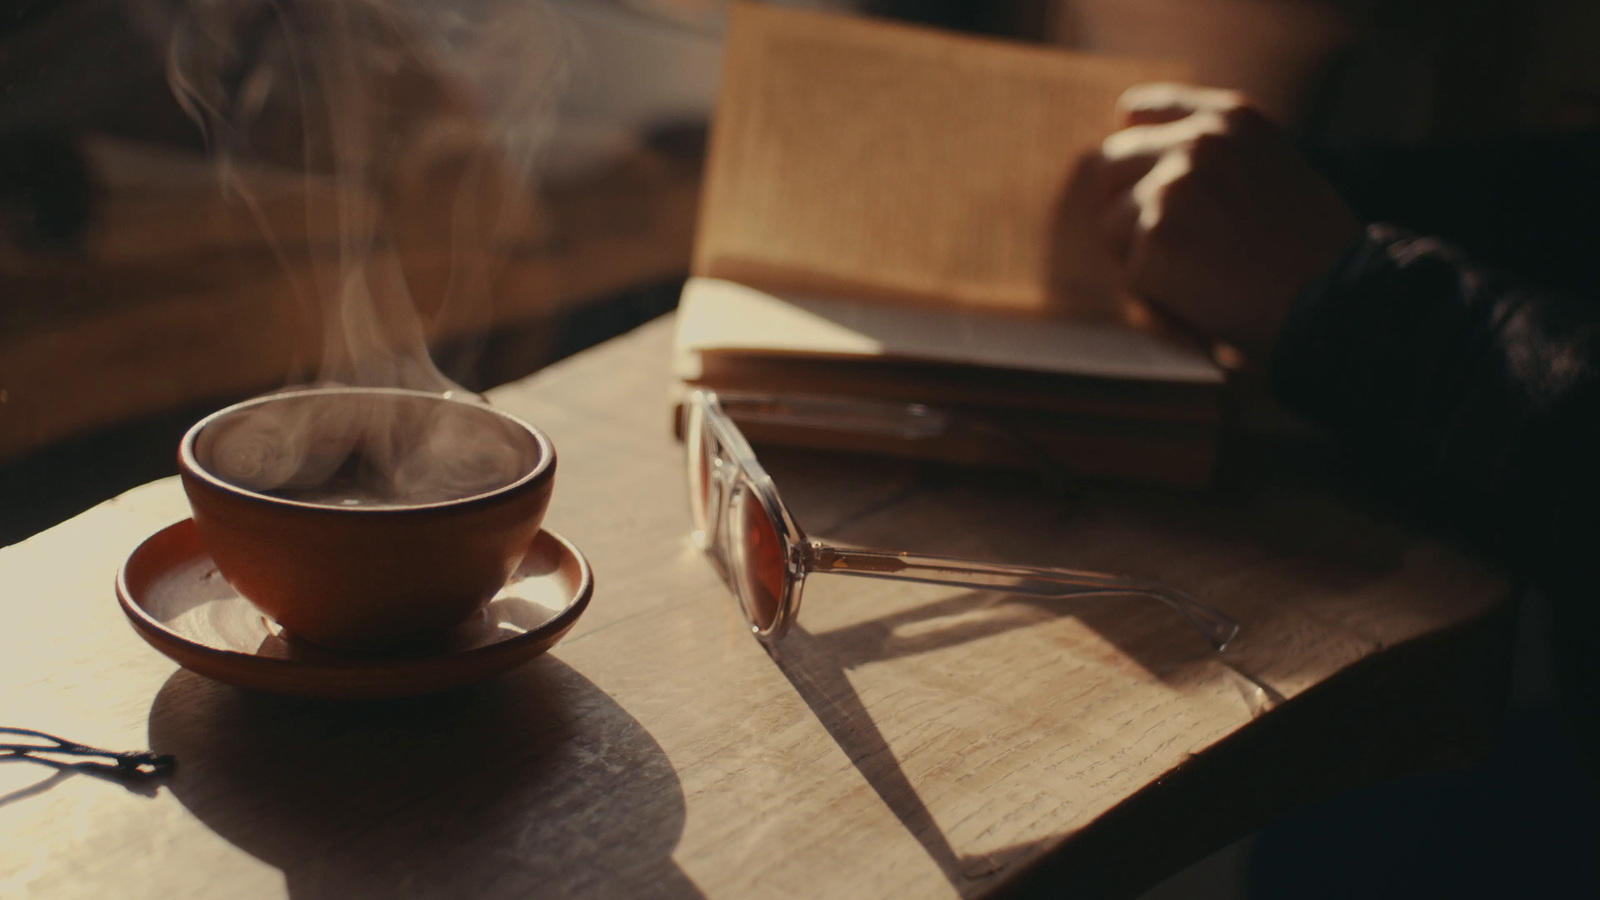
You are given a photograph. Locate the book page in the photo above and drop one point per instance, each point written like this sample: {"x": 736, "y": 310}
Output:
{"x": 860, "y": 158}
{"x": 716, "y": 315}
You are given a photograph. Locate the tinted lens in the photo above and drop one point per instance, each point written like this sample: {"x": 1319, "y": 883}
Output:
{"x": 763, "y": 571}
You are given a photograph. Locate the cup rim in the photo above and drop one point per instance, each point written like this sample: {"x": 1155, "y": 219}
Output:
{"x": 189, "y": 464}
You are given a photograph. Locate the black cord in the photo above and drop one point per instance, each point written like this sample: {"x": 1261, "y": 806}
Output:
{"x": 139, "y": 764}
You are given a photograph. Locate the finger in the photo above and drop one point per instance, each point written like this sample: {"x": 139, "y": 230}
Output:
{"x": 1130, "y": 216}
{"x": 1152, "y": 189}
{"x": 1153, "y": 211}
{"x": 1119, "y": 222}
{"x": 1128, "y": 155}
{"x": 1154, "y": 104}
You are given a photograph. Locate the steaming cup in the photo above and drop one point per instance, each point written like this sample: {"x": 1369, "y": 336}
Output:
{"x": 385, "y": 571}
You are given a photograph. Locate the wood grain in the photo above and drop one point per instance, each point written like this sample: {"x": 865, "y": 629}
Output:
{"x": 905, "y": 741}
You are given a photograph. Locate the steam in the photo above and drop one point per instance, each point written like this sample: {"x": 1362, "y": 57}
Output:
{"x": 366, "y": 449}
{"x": 415, "y": 125}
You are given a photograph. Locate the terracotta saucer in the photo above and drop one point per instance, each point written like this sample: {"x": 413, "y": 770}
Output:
{"x": 178, "y": 602}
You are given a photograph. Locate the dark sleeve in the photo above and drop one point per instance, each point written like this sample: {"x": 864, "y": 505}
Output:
{"x": 1528, "y": 204}
{"x": 1467, "y": 382}
{"x": 1476, "y": 391}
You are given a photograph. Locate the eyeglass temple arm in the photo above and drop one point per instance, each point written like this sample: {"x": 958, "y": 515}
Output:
{"x": 1045, "y": 582}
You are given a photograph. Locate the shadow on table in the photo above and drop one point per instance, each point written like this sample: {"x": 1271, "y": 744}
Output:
{"x": 1277, "y": 527}
{"x": 818, "y": 667}
{"x": 1287, "y": 529}
{"x": 1149, "y": 634}
{"x": 825, "y": 687}
{"x": 536, "y": 784}
{"x": 1379, "y": 718}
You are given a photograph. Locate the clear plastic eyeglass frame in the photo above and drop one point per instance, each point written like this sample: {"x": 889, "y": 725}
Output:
{"x": 727, "y": 485}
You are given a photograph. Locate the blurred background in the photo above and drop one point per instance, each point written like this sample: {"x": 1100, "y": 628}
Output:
{"x": 135, "y": 296}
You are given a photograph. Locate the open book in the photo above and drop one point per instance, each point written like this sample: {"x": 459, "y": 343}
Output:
{"x": 894, "y": 214}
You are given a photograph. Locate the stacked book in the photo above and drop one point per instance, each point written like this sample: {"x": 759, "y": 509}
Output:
{"x": 898, "y": 220}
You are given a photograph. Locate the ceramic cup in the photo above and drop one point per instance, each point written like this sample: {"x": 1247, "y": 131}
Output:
{"x": 349, "y": 569}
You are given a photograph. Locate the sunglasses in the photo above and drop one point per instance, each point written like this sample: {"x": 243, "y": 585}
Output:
{"x": 742, "y": 524}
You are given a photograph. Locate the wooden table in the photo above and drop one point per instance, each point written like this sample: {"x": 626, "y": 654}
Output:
{"x": 905, "y": 741}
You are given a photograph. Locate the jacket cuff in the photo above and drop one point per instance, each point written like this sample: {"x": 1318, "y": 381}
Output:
{"x": 1365, "y": 340}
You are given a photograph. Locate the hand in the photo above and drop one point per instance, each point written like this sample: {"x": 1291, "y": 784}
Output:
{"x": 1218, "y": 221}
